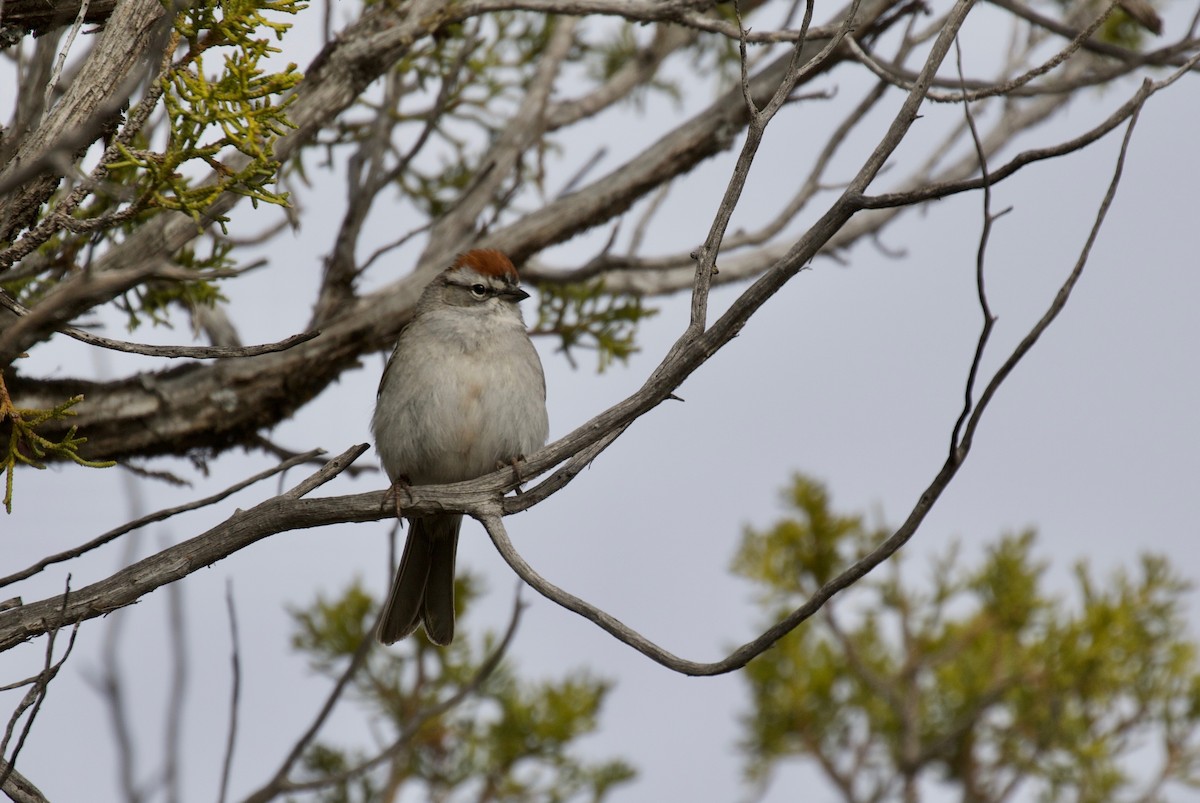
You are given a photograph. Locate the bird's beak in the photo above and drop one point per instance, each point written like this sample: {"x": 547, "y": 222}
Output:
{"x": 514, "y": 294}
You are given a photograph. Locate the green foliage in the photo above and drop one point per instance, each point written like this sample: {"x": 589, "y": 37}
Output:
{"x": 225, "y": 122}
{"x": 154, "y": 299}
{"x": 21, "y": 443}
{"x": 241, "y": 108}
{"x": 977, "y": 677}
{"x": 585, "y": 316}
{"x": 1122, "y": 29}
{"x": 510, "y": 740}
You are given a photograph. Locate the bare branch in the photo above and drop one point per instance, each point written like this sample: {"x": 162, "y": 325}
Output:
{"x": 668, "y": 39}
{"x": 275, "y": 786}
{"x": 682, "y": 13}
{"x": 171, "y": 352}
{"x": 759, "y": 119}
{"x": 234, "y": 692}
{"x": 1120, "y": 115}
{"x": 19, "y": 788}
{"x": 526, "y": 127}
{"x": 243, "y": 528}
{"x": 32, "y": 702}
{"x": 1007, "y": 88}
{"x": 1060, "y": 299}
{"x": 176, "y": 692}
{"x": 280, "y": 785}
{"x": 989, "y": 320}
{"x": 1067, "y": 32}
{"x": 161, "y": 515}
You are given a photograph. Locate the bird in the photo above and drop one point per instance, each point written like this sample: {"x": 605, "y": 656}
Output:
{"x": 463, "y": 394}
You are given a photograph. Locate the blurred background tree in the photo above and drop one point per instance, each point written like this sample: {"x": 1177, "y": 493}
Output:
{"x": 972, "y": 678}
{"x": 505, "y": 738}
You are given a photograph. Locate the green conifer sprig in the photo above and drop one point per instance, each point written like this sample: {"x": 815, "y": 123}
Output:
{"x": 21, "y": 443}
{"x": 586, "y": 316}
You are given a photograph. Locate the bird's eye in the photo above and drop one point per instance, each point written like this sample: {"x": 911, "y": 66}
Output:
{"x": 478, "y": 290}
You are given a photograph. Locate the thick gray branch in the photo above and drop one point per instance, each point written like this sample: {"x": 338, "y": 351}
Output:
{"x": 82, "y": 114}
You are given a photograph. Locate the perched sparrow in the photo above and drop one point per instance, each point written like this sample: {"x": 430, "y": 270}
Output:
{"x": 462, "y": 395}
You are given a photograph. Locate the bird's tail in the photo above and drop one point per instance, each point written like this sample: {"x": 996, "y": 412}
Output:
{"x": 423, "y": 591}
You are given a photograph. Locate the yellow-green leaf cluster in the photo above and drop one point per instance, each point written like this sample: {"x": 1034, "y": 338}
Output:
{"x": 976, "y": 676}
{"x": 21, "y": 444}
{"x": 512, "y": 737}
{"x": 585, "y": 316}
{"x": 241, "y": 108}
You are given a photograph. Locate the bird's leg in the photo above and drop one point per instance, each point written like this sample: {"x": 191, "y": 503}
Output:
{"x": 394, "y": 493}
{"x": 516, "y": 470}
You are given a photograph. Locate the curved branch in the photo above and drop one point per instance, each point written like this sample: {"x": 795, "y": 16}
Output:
{"x": 170, "y": 352}
{"x": 160, "y": 515}
{"x": 285, "y": 512}
{"x": 751, "y": 649}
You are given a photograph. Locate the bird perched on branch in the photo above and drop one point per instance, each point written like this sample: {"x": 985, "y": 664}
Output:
{"x": 462, "y": 395}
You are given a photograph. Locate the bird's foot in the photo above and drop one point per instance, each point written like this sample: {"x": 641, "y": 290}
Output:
{"x": 515, "y": 463}
{"x": 402, "y": 483}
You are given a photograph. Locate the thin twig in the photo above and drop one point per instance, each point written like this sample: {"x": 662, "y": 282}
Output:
{"x": 577, "y": 178}
{"x": 193, "y": 352}
{"x": 280, "y": 785}
{"x": 1007, "y": 88}
{"x": 946, "y": 189}
{"x": 32, "y": 702}
{"x": 160, "y": 515}
{"x": 1059, "y": 28}
{"x": 394, "y": 244}
{"x": 331, "y": 469}
{"x": 356, "y": 662}
{"x": 176, "y": 693}
{"x": 234, "y": 692}
{"x": 643, "y": 223}
{"x": 313, "y": 457}
{"x": 706, "y": 256}
{"x": 1060, "y": 299}
{"x": 62, "y": 55}
{"x": 989, "y": 320}
{"x": 108, "y": 681}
